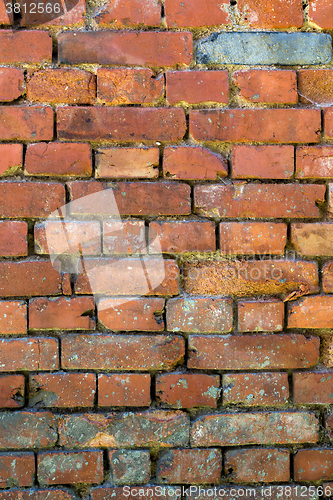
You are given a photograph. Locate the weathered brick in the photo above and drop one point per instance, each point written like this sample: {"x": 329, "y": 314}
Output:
{"x": 145, "y": 48}
{"x": 189, "y": 466}
{"x": 11, "y": 391}
{"x": 188, "y": 390}
{"x": 153, "y": 492}
{"x": 29, "y": 278}
{"x": 312, "y": 238}
{"x": 29, "y": 354}
{"x": 237, "y": 429}
{"x": 124, "y": 13}
{"x": 328, "y": 122}
{"x": 26, "y": 123}
{"x": 313, "y": 388}
{"x": 259, "y": 200}
{"x": 260, "y": 125}
{"x": 125, "y": 430}
{"x": 131, "y": 314}
{"x": 313, "y": 465}
{"x": 130, "y": 389}
{"x": 25, "y": 47}
{"x": 58, "y": 159}
{"x": 269, "y": 86}
{"x": 128, "y": 86}
{"x": 28, "y": 430}
{"x": 129, "y": 466}
{"x": 13, "y": 317}
{"x": 196, "y": 13}
{"x": 40, "y": 494}
{"x": 124, "y": 352}
{"x": 189, "y": 163}
{"x": 120, "y": 124}
{"x": 124, "y": 237}
{"x": 196, "y": 87}
{"x": 13, "y": 238}
{"x": 198, "y": 315}
{"x": 260, "y": 316}
{"x": 249, "y": 278}
{"x": 181, "y": 236}
{"x": 253, "y": 465}
{"x": 315, "y": 86}
{"x": 11, "y": 83}
{"x": 252, "y": 352}
{"x": 287, "y": 49}
{"x": 17, "y": 469}
{"x": 327, "y": 352}
{"x": 313, "y": 162}
{"x": 11, "y": 158}
{"x": 61, "y": 467}
{"x": 127, "y": 163}
{"x": 71, "y": 12}
{"x": 240, "y": 238}
{"x": 271, "y": 14}
{"x": 329, "y": 425}
{"x": 255, "y": 389}
{"x": 321, "y": 13}
{"x": 262, "y": 162}
{"x": 30, "y": 199}
{"x": 311, "y": 312}
{"x": 5, "y": 17}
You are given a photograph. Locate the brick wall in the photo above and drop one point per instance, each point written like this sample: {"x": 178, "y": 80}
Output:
{"x": 195, "y": 347}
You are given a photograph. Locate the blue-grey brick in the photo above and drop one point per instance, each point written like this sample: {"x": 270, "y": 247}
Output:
{"x": 265, "y": 48}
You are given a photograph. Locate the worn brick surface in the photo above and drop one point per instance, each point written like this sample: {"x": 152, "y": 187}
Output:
{"x": 181, "y": 237}
{"x": 58, "y": 159}
{"x": 61, "y": 313}
{"x": 132, "y": 389}
{"x": 29, "y": 354}
{"x": 189, "y": 466}
{"x": 321, "y": 13}
{"x": 17, "y": 469}
{"x": 13, "y": 238}
{"x": 311, "y": 312}
{"x": 188, "y": 390}
{"x": 13, "y": 317}
{"x": 241, "y": 238}
{"x": 25, "y": 47}
{"x": 11, "y": 391}
{"x": 11, "y": 158}
{"x": 260, "y": 316}
{"x": 255, "y": 389}
{"x": 267, "y": 86}
{"x": 70, "y": 468}
{"x": 132, "y": 314}
{"x": 313, "y": 388}
{"x": 193, "y": 163}
{"x": 130, "y": 466}
{"x": 313, "y": 465}
{"x": 314, "y": 162}
{"x": 124, "y": 163}
{"x": 28, "y": 430}
{"x": 136, "y": 12}
{"x": 29, "y": 278}
{"x": 271, "y": 14}
{"x": 26, "y": 123}
{"x": 195, "y": 87}
{"x": 194, "y": 13}
{"x": 11, "y": 83}
{"x": 262, "y": 162}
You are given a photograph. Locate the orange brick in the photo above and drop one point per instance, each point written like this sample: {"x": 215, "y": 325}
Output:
{"x": 185, "y": 162}
{"x": 313, "y": 465}
{"x": 5, "y": 17}
{"x": 188, "y": 390}
{"x": 127, "y": 163}
{"x": 312, "y": 238}
{"x": 328, "y": 122}
{"x": 13, "y": 238}
{"x": 58, "y": 159}
{"x": 262, "y": 162}
{"x": 255, "y": 389}
{"x": 26, "y": 123}
{"x": 328, "y": 277}
{"x": 131, "y": 389}
{"x": 12, "y": 391}
{"x": 181, "y": 236}
{"x": 131, "y": 314}
{"x": 269, "y": 86}
{"x": 313, "y": 388}
{"x": 124, "y": 13}
{"x": 11, "y": 158}
{"x": 11, "y": 83}
{"x": 62, "y": 467}
{"x": 13, "y": 317}
{"x": 315, "y": 86}
{"x": 313, "y": 162}
{"x": 29, "y": 354}
{"x": 24, "y": 278}
{"x": 321, "y": 13}
{"x": 195, "y": 13}
{"x": 311, "y": 312}
{"x": 17, "y": 469}
{"x": 62, "y": 313}
{"x": 271, "y": 13}
{"x": 33, "y": 47}
{"x": 261, "y": 316}
{"x": 124, "y": 237}
{"x": 71, "y": 12}
{"x": 242, "y": 238}
{"x": 189, "y": 466}
{"x": 253, "y": 465}
{"x": 196, "y": 87}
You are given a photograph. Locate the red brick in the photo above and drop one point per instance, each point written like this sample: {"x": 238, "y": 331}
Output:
{"x": 70, "y": 86}
{"x": 260, "y": 125}
{"x": 313, "y": 388}
{"x": 313, "y": 162}
{"x": 188, "y": 390}
{"x": 71, "y": 12}
{"x": 149, "y": 429}
{"x": 196, "y": 13}
{"x": 271, "y": 14}
{"x": 239, "y": 238}
{"x": 120, "y": 124}
{"x": 29, "y": 354}
{"x": 189, "y": 163}
{"x": 13, "y": 238}
{"x": 61, "y": 313}
{"x": 29, "y": 278}
{"x": 127, "y": 163}
{"x": 58, "y": 159}
{"x": 12, "y": 391}
{"x": 33, "y": 47}
{"x": 26, "y": 123}
{"x": 68, "y": 237}
{"x": 124, "y": 13}
{"x": 131, "y": 389}
{"x": 11, "y": 83}
{"x": 327, "y": 273}
{"x": 189, "y": 466}
{"x": 121, "y": 352}
{"x": 238, "y": 429}
{"x": 255, "y": 389}
{"x": 13, "y": 317}
{"x": 128, "y": 86}
{"x": 249, "y": 278}
{"x": 312, "y": 239}
{"x": 327, "y": 352}
{"x": 262, "y": 162}
{"x": 313, "y": 465}
{"x": 11, "y": 158}
{"x": 153, "y": 492}
{"x": 148, "y": 48}
{"x": 40, "y": 494}
{"x": 269, "y": 86}
{"x": 28, "y": 430}
{"x": 61, "y": 467}
{"x": 321, "y": 13}
{"x": 260, "y": 316}
{"x": 30, "y": 199}
{"x": 196, "y": 87}
{"x": 329, "y": 425}
{"x": 5, "y": 17}
{"x": 62, "y": 390}
{"x": 199, "y": 315}
{"x": 328, "y": 122}
{"x": 315, "y": 86}
{"x": 182, "y": 236}
{"x": 124, "y": 237}
{"x": 131, "y": 314}
{"x": 252, "y": 352}
{"x": 17, "y": 469}
{"x": 129, "y": 466}
{"x": 311, "y": 312}
{"x": 259, "y": 200}
{"x": 253, "y": 465}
